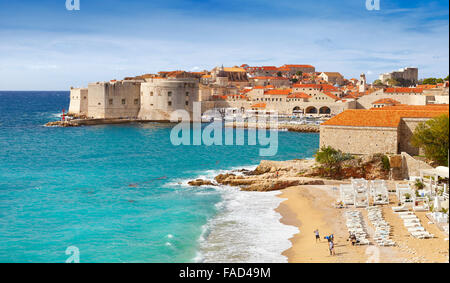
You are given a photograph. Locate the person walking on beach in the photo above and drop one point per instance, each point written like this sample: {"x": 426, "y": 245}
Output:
{"x": 331, "y": 245}
{"x": 316, "y": 232}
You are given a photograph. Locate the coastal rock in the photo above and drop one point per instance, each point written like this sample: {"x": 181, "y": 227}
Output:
{"x": 276, "y": 185}
{"x": 60, "y": 124}
{"x": 369, "y": 167}
{"x": 221, "y": 177}
{"x": 200, "y": 182}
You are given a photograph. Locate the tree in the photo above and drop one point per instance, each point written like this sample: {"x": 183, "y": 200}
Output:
{"x": 429, "y": 81}
{"x": 331, "y": 159}
{"x": 432, "y": 137}
{"x": 446, "y": 78}
{"x": 393, "y": 82}
{"x": 299, "y": 73}
{"x": 279, "y": 74}
{"x": 378, "y": 83}
{"x": 294, "y": 81}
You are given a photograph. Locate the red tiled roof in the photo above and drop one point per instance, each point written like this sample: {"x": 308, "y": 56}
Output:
{"x": 317, "y": 86}
{"x": 298, "y": 66}
{"x": 269, "y": 78}
{"x": 380, "y": 118}
{"x": 403, "y": 90}
{"x": 299, "y": 95}
{"x": 429, "y": 107}
{"x": 331, "y": 95}
{"x": 259, "y": 105}
{"x": 285, "y": 91}
{"x": 386, "y": 101}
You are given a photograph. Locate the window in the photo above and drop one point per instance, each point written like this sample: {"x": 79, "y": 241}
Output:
{"x": 85, "y": 97}
{"x": 136, "y": 101}
{"x": 187, "y": 93}
{"x": 169, "y": 93}
{"x": 124, "y": 101}
{"x": 111, "y": 101}
{"x": 187, "y": 103}
{"x": 169, "y": 103}
{"x": 151, "y": 93}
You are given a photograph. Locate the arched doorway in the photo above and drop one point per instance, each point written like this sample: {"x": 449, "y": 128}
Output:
{"x": 324, "y": 110}
{"x": 297, "y": 110}
{"x": 311, "y": 110}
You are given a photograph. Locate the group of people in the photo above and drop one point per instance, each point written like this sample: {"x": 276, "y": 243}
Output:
{"x": 330, "y": 240}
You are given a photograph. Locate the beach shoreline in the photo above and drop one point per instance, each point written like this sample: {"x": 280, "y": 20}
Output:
{"x": 310, "y": 207}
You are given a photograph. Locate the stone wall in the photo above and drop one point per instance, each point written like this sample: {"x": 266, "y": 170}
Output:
{"x": 411, "y": 167}
{"x": 160, "y": 97}
{"x": 365, "y": 102}
{"x": 406, "y": 130}
{"x": 360, "y": 140}
{"x": 110, "y": 100}
{"x": 78, "y": 101}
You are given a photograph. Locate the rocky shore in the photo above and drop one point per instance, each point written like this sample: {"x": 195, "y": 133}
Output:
{"x": 278, "y": 175}
{"x": 268, "y": 176}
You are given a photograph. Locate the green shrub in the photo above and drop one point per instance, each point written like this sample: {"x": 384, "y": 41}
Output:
{"x": 386, "y": 163}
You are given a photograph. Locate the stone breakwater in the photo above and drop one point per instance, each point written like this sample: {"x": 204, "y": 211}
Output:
{"x": 93, "y": 122}
{"x": 279, "y": 126}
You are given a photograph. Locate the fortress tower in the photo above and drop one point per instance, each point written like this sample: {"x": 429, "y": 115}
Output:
{"x": 161, "y": 96}
{"x": 362, "y": 83}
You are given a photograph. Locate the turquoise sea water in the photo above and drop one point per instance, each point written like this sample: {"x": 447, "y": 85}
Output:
{"x": 116, "y": 192}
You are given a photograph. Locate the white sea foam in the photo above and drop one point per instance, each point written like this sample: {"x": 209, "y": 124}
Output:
{"x": 246, "y": 227}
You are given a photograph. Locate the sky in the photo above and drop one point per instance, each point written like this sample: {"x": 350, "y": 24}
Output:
{"x": 44, "y": 46}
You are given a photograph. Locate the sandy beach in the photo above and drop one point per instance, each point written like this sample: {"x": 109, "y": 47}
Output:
{"x": 310, "y": 208}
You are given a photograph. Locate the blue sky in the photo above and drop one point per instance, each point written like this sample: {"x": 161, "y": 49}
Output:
{"x": 45, "y": 47}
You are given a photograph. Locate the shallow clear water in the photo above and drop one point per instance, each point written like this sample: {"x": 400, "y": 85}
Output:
{"x": 118, "y": 192}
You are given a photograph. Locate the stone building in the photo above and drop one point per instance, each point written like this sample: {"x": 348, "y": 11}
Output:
{"x": 160, "y": 97}
{"x": 407, "y": 74}
{"x": 386, "y": 130}
{"x": 114, "y": 99}
{"x": 277, "y": 82}
{"x": 78, "y": 101}
{"x": 332, "y": 78}
{"x": 403, "y": 95}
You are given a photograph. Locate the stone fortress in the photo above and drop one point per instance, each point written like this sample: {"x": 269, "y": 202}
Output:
{"x": 289, "y": 89}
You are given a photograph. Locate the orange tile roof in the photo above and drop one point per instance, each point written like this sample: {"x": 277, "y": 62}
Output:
{"x": 234, "y": 69}
{"x": 429, "y": 107}
{"x": 285, "y": 91}
{"x": 331, "y": 95}
{"x": 386, "y": 101}
{"x": 371, "y": 118}
{"x": 403, "y": 90}
{"x": 259, "y": 105}
{"x": 269, "y": 78}
{"x": 299, "y": 95}
{"x": 317, "y": 86}
{"x": 427, "y": 86}
{"x": 298, "y": 66}
{"x": 328, "y": 87}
